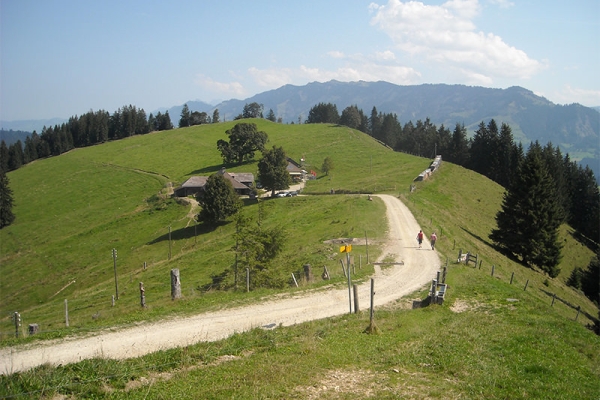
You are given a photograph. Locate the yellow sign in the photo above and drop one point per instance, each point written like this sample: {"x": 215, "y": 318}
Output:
{"x": 346, "y": 249}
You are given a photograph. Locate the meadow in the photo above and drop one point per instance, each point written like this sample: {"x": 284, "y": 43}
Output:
{"x": 490, "y": 339}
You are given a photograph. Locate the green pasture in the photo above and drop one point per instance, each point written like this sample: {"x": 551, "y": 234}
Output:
{"x": 491, "y": 339}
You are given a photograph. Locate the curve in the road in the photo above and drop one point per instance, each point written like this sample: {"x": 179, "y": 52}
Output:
{"x": 420, "y": 266}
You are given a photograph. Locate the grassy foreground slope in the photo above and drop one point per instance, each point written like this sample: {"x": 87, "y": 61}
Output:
{"x": 490, "y": 340}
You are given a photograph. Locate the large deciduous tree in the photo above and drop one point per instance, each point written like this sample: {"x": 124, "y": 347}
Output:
{"x": 218, "y": 200}
{"x": 253, "y": 110}
{"x": 528, "y": 222}
{"x": 272, "y": 170}
{"x": 244, "y": 141}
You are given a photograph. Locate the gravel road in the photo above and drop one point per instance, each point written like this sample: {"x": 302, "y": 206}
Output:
{"x": 420, "y": 266}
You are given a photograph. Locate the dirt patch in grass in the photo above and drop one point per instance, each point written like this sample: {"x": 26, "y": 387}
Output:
{"x": 337, "y": 383}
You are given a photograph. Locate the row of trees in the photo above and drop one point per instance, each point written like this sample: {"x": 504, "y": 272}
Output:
{"x": 491, "y": 152}
{"x": 196, "y": 118}
{"x": 86, "y": 130}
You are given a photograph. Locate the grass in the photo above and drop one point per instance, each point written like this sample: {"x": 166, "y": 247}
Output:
{"x": 490, "y": 340}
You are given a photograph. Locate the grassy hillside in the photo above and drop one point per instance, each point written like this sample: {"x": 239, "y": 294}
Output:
{"x": 490, "y": 339}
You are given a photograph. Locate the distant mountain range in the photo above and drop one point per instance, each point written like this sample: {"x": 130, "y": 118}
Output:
{"x": 575, "y": 128}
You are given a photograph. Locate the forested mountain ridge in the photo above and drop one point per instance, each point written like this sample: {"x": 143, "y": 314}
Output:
{"x": 531, "y": 117}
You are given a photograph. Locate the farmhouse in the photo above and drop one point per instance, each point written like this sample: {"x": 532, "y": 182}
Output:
{"x": 295, "y": 170}
{"x": 242, "y": 182}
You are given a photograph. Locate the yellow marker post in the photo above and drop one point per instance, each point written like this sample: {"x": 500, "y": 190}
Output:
{"x": 347, "y": 249}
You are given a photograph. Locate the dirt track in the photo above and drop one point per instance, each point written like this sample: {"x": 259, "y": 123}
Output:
{"x": 420, "y": 266}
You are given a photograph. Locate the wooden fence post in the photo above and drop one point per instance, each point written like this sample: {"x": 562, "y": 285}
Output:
{"x": 526, "y": 283}
{"x": 143, "y": 295}
{"x": 511, "y": 277}
{"x": 355, "y": 289}
{"x": 553, "y": 298}
{"x": 578, "y": 311}
{"x": 308, "y": 273}
{"x": 175, "y": 284}
{"x": 247, "y": 280}
{"x": 66, "y": 313}
{"x": 295, "y": 281}
{"x": 493, "y": 267}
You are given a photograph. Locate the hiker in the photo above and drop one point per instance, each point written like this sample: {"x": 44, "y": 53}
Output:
{"x": 420, "y": 238}
{"x": 432, "y": 239}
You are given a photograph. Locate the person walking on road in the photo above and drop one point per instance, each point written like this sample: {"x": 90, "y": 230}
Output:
{"x": 420, "y": 238}
{"x": 432, "y": 239}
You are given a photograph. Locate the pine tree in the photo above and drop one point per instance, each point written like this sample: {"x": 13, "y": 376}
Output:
{"x": 6, "y": 201}
{"x": 184, "y": 121}
{"x": 528, "y": 222}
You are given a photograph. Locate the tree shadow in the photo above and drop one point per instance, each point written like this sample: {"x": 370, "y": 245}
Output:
{"x": 479, "y": 238}
{"x": 189, "y": 232}
{"x": 587, "y": 242}
{"x": 211, "y": 169}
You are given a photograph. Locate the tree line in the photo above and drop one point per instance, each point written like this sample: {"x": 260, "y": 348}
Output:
{"x": 491, "y": 152}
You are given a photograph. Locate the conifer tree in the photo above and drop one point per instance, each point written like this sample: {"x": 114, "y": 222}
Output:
{"x": 528, "y": 222}
{"x": 6, "y": 201}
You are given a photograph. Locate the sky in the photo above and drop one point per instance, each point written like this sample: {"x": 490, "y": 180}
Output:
{"x": 60, "y": 58}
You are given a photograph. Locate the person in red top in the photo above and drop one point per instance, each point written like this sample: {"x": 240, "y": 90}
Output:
{"x": 432, "y": 239}
{"x": 420, "y": 238}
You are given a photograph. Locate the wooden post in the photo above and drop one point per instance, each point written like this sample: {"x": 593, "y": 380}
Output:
{"x": 295, "y": 281}
{"x": 444, "y": 275}
{"x": 308, "y": 273}
{"x": 349, "y": 280}
{"x": 493, "y": 266}
{"x": 325, "y": 274}
{"x": 169, "y": 242}
{"x": 367, "y": 246}
{"x": 372, "y": 303}
{"x": 343, "y": 269}
{"x": 113, "y": 300}
{"x": 247, "y": 279}
{"x": 553, "y": 298}
{"x": 17, "y": 319}
{"x": 355, "y": 290}
{"x": 511, "y": 277}
{"x": 66, "y": 313}
{"x": 175, "y": 284}
{"x": 454, "y": 245}
{"x": 437, "y": 276}
{"x": 526, "y": 283}
{"x": 578, "y": 311}
{"x": 114, "y": 253}
{"x": 145, "y": 265}
{"x": 143, "y": 295}
{"x": 480, "y": 261}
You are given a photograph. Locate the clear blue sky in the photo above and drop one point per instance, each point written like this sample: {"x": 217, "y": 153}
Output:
{"x": 64, "y": 57}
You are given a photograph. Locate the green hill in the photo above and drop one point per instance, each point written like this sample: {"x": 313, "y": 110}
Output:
{"x": 74, "y": 209}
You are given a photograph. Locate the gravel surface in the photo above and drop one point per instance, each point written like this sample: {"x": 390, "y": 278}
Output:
{"x": 392, "y": 283}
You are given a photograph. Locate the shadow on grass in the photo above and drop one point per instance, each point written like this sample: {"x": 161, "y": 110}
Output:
{"x": 211, "y": 169}
{"x": 189, "y": 232}
{"x": 479, "y": 238}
